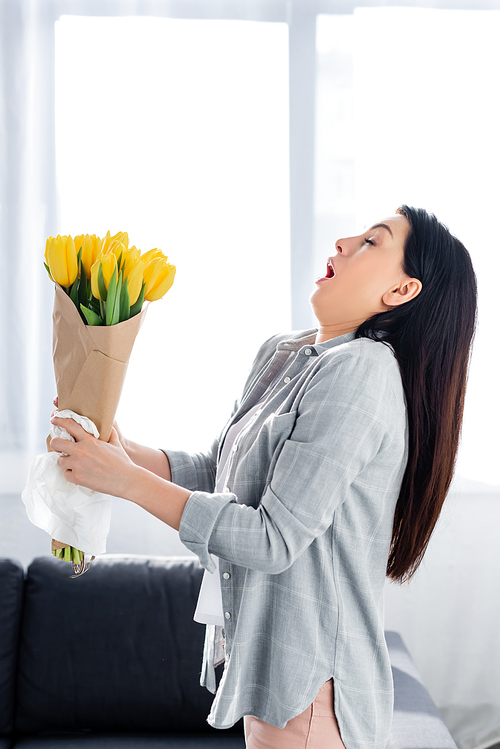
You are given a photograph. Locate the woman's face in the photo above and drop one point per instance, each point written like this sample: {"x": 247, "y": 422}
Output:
{"x": 364, "y": 278}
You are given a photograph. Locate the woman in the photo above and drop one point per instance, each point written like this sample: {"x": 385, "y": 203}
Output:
{"x": 330, "y": 474}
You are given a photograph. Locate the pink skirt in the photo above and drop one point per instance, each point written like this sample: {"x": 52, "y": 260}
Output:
{"x": 315, "y": 728}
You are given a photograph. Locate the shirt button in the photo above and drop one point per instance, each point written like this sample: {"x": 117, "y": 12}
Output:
{"x": 226, "y": 575}
{"x": 308, "y": 352}
{"x": 227, "y": 615}
{"x": 226, "y": 490}
{"x": 235, "y": 447}
{"x": 287, "y": 380}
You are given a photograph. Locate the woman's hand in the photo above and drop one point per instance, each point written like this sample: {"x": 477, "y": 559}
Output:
{"x": 153, "y": 460}
{"x": 102, "y": 466}
{"x": 106, "y": 467}
{"x": 115, "y": 423}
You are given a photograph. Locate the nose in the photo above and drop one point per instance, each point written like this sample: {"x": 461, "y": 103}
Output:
{"x": 346, "y": 245}
{"x": 342, "y": 246}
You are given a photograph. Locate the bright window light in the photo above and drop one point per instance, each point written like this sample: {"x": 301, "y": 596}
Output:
{"x": 423, "y": 124}
{"x": 177, "y": 132}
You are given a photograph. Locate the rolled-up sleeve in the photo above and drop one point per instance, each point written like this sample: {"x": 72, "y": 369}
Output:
{"x": 194, "y": 472}
{"x": 341, "y": 426}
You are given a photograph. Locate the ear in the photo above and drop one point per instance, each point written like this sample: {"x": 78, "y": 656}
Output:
{"x": 407, "y": 289}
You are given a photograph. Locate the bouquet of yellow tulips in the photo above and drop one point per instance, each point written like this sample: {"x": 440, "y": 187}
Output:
{"x": 101, "y": 287}
{"x": 106, "y": 279}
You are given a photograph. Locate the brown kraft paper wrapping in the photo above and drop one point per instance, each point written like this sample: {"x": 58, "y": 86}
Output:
{"x": 57, "y": 545}
{"x": 90, "y": 362}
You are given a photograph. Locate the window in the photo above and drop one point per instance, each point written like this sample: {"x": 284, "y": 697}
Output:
{"x": 176, "y": 130}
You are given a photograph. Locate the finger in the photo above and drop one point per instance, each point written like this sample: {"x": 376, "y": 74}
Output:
{"x": 68, "y": 475}
{"x": 76, "y": 431}
{"x": 114, "y": 438}
{"x": 55, "y": 401}
{"x": 60, "y": 445}
{"x": 62, "y": 462}
{"x": 67, "y": 472}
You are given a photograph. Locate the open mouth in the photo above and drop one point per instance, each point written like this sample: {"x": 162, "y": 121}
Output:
{"x": 330, "y": 270}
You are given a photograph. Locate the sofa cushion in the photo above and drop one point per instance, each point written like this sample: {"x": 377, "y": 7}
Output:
{"x": 115, "y": 650}
{"x": 11, "y": 598}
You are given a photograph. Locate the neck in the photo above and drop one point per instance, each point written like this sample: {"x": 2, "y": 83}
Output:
{"x": 334, "y": 330}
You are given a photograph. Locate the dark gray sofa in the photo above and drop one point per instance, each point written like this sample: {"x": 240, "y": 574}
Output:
{"x": 112, "y": 659}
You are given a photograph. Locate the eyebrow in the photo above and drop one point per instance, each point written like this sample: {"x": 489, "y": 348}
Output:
{"x": 382, "y": 226}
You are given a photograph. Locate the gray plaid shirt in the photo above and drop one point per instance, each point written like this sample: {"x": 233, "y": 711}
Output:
{"x": 303, "y": 531}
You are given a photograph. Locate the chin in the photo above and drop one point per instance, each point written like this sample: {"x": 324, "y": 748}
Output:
{"x": 321, "y": 301}
{"x": 313, "y": 306}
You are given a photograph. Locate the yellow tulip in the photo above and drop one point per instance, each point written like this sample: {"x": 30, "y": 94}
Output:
{"x": 120, "y": 236}
{"x": 46, "y": 256}
{"x": 108, "y": 264}
{"x": 159, "y": 277}
{"x": 135, "y": 278}
{"x": 116, "y": 248}
{"x": 91, "y": 247}
{"x": 49, "y": 240}
{"x": 60, "y": 256}
{"x": 129, "y": 259}
{"x": 151, "y": 255}
{"x": 137, "y": 253}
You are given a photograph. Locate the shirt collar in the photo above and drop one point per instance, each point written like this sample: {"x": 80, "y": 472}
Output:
{"x": 307, "y": 337}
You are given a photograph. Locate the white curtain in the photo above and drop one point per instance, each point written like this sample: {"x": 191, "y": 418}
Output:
{"x": 27, "y": 216}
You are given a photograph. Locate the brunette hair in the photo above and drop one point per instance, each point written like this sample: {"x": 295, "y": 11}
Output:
{"x": 431, "y": 336}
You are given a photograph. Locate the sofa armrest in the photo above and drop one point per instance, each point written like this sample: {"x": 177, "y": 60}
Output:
{"x": 417, "y": 723}
{"x": 11, "y": 599}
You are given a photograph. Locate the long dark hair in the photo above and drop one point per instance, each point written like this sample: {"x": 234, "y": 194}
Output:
{"x": 431, "y": 336}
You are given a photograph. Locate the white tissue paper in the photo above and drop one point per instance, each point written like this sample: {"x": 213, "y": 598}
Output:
{"x": 69, "y": 513}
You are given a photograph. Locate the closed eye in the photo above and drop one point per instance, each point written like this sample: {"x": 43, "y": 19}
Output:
{"x": 370, "y": 241}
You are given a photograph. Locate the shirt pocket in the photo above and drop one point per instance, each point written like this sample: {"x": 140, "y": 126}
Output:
{"x": 276, "y": 429}
{"x": 257, "y": 453}
{"x": 279, "y": 428}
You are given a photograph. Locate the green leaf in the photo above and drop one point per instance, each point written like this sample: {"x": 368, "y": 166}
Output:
{"x": 110, "y": 301}
{"x": 101, "y": 285}
{"x": 136, "y": 308}
{"x": 48, "y": 271}
{"x": 91, "y": 317}
{"x": 82, "y": 288}
{"x": 73, "y": 293}
{"x": 116, "y": 311}
{"x": 94, "y": 304}
{"x": 125, "y": 302}
{"x": 120, "y": 260}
